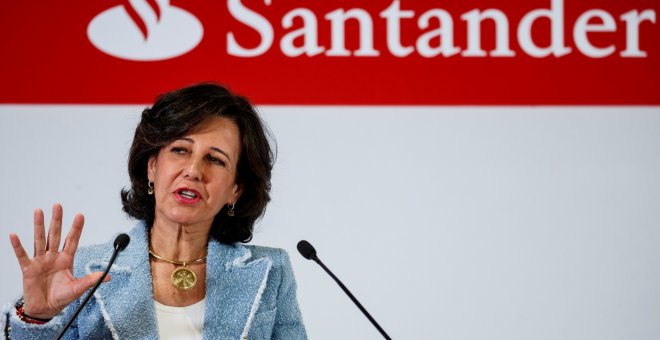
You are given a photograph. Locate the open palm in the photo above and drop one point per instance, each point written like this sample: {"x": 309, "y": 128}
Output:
{"x": 48, "y": 281}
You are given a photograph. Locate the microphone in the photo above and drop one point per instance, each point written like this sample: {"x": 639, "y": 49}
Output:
{"x": 120, "y": 244}
{"x": 308, "y": 252}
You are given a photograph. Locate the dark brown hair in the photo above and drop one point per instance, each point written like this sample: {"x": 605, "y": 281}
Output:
{"x": 176, "y": 113}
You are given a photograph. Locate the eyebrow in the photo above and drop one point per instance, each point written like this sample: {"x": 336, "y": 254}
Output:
{"x": 212, "y": 148}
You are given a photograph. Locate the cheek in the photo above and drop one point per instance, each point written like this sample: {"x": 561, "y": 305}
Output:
{"x": 224, "y": 189}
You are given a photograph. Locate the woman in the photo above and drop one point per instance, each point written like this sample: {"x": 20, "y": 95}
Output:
{"x": 200, "y": 168}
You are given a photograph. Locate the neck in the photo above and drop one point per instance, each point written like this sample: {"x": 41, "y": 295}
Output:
{"x": 179, "y": 242}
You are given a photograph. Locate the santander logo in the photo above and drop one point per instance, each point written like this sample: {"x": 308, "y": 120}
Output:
{"x": 145, "y": 30}
{"x": 153, "y": 30}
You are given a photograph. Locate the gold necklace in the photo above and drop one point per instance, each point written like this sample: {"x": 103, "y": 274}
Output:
{"x": 182, "y": 278}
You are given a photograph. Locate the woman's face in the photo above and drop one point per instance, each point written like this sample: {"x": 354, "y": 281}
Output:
{"x": 195, "y": 176}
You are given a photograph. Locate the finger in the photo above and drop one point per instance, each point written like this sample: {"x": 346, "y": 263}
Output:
{"x": 72, "y": 238}
{"x": 39, "y": 233}
{"x": 55, "y": 229}
{"x": 21, "y": 254}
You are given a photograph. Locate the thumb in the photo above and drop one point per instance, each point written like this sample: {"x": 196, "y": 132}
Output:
{"x": 86, "y": 282}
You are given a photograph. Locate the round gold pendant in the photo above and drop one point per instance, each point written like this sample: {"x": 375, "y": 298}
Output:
{"x": 183, "y": 278}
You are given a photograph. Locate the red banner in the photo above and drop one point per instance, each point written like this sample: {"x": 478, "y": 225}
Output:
{"x": 468, "y": 52}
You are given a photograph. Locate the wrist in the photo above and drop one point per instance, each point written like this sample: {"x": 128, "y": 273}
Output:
{"x": 20, "y": 312}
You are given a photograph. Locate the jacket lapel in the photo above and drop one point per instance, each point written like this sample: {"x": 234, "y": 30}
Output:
{"x": 127, "y": 301}
{"x": 234, "y": 285}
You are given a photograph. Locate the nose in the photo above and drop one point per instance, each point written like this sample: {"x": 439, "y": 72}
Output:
{"x": 193, "y": 170}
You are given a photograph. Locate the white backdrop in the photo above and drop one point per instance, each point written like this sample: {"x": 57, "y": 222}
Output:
{"x": 511, "y": 223}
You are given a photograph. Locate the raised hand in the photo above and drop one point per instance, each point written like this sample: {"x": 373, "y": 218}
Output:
{"x": 48, "y": 281}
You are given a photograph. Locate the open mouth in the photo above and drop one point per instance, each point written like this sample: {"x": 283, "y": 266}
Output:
{"x": 187, "y": 195}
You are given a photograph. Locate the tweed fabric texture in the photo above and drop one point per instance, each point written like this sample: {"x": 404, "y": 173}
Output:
{"x": 250, "y": 293}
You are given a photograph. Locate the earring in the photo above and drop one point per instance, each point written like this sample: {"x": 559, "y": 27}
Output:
{"x": 150, "y": 189}
{"x": 230, "y": 212}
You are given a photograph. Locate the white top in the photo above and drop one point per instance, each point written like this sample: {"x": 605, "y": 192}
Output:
{"x": 180, "y": 323}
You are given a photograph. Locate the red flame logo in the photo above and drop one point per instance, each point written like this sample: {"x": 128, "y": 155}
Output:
{"x": 145, "y": 30}
{"x": 137, "y": 19}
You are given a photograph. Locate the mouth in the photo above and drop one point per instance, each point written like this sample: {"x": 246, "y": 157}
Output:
{"x": 187, "y": 195}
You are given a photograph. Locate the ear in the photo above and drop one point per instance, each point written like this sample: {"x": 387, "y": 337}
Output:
{"x": 238, "y": 190}
{"x": 151, "y": 168}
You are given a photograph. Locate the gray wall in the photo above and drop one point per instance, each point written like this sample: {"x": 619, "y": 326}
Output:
{"x": 455, "y": 223}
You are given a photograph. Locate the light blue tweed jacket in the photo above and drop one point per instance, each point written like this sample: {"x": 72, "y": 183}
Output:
{"x": 250, "y": 293}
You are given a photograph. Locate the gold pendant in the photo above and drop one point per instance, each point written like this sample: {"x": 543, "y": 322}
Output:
{"x": 183, "y": 278}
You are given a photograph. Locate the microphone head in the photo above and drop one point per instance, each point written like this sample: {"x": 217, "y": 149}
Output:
{"x": 122, "y": 241}
{"x": 307, "y": 250}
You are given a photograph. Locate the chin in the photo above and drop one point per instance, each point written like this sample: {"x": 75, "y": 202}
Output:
{"x": 184, "y": 215}
{"x": 186, "y": 218}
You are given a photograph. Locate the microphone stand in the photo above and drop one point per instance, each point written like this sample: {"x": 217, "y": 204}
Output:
{"x": 308, "y": 252}
{"x": 120, "y": 243}
{"x": 364, "y": 311}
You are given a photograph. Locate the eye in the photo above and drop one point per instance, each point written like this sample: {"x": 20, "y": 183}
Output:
{"x": 178, "y": 150}
{"x": 215, "y": 160}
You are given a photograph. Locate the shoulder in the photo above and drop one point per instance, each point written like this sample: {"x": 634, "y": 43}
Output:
{"x": 278, "y": 257}
{"x": 98, "y": 255}
{"x": 261, "y": 251}
{"x": 94, "y": 250}
{"x": 89, "y": 254}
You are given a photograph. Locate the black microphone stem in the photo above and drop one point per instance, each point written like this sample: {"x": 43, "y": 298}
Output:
{"x": 98, "y": 283}
{"x": 364, "y": 311}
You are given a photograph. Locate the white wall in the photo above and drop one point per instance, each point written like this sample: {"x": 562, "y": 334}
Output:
{"x": 446, "y": 222}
